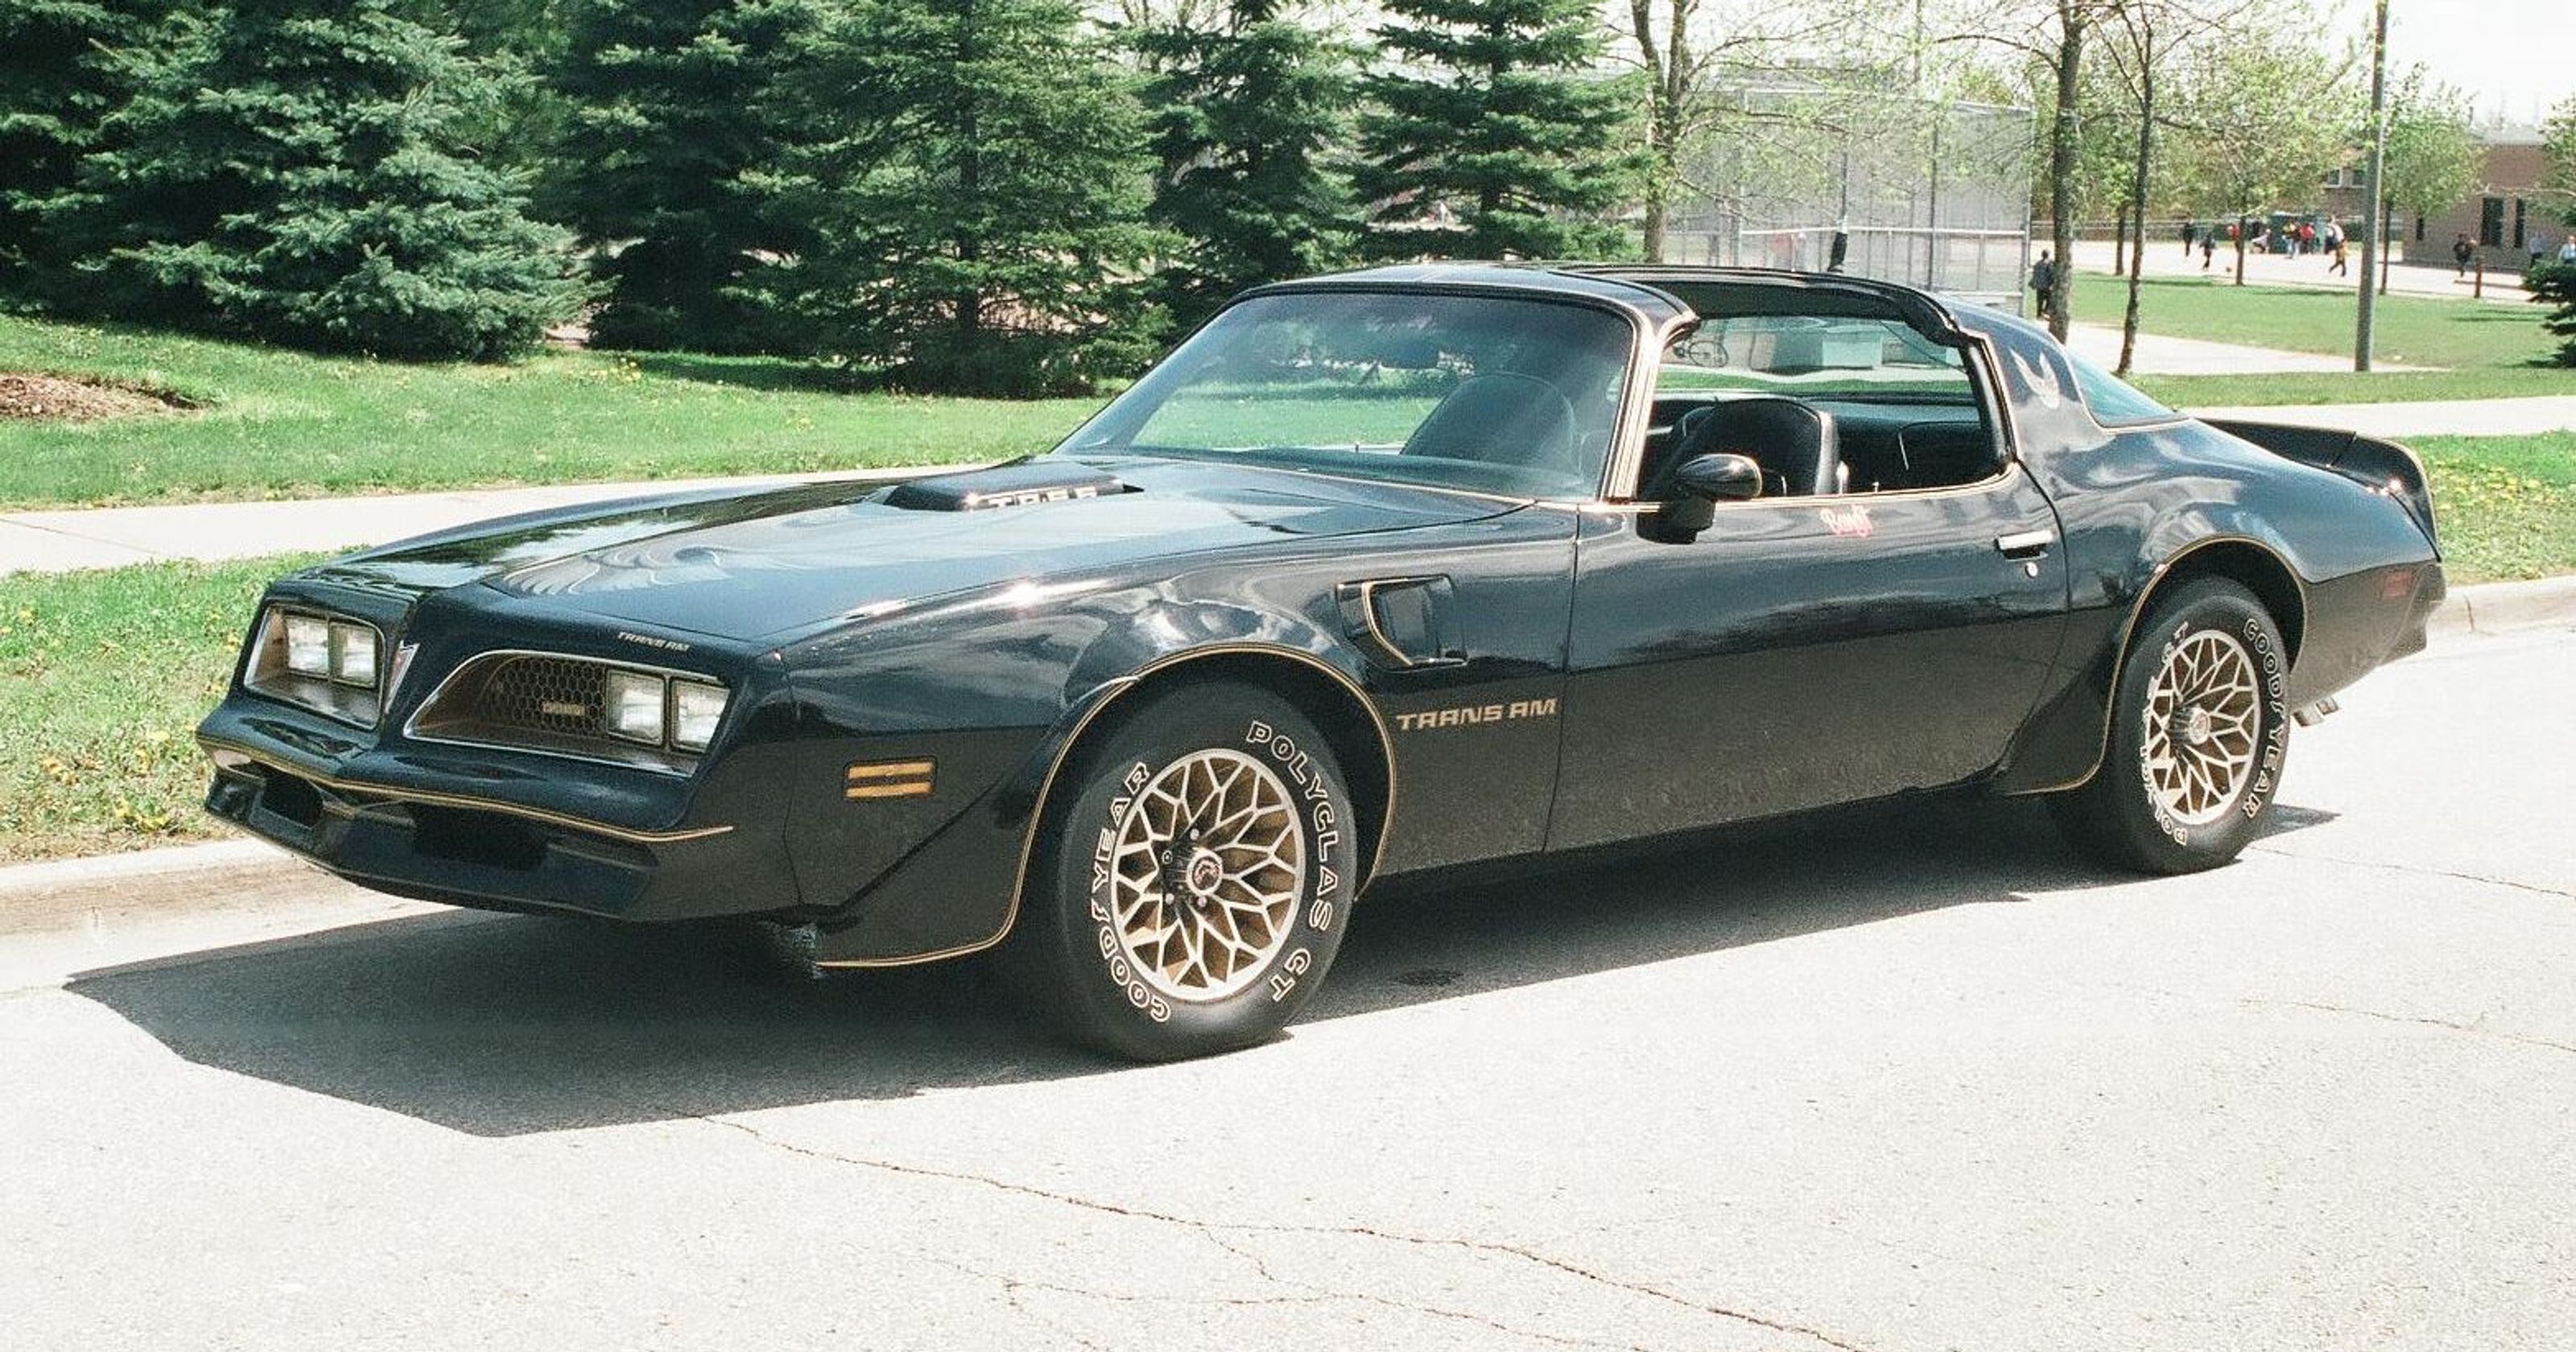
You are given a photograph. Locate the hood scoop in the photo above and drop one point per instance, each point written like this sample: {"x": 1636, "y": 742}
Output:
{"x": 1019, "y": 485}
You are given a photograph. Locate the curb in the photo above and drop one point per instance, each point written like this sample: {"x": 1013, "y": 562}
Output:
{"x": 2503, "y": 607}
{"x": 107, "y": 891}
{"x": 103, "y": 891}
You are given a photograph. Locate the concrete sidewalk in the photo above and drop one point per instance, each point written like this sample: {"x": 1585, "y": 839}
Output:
{"x": 108, "y": 537}
{"x": 2432, "y": 418}
{"x": 2161, "y": 355}
{"x": 2165, "y": 259}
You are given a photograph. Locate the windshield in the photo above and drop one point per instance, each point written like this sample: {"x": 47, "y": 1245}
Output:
{"x": 1479, "y": 392}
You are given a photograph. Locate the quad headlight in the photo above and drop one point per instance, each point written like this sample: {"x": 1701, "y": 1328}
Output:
{"x": 643, "y": 706}
{"x": 328, "y": 650}
{"x": 319, "y": 661}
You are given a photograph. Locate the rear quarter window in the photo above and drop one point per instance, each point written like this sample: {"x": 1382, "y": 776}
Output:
{"x": 2112, "y": 400}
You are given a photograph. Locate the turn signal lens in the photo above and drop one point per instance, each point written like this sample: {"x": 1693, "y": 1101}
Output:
{"x": 634, "y": 705}
{"x": 696, "y": 708}
{"x": 353, "y": 654}
{"x": 308, "y": 645}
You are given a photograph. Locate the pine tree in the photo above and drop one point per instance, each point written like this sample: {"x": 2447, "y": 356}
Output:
{"x": 1495, "y": 122}
{"x": 667, "y": 118}
{"x": 1247, "y": 118}
{"x": 292, "y": 169}
{"x": 59, "y": 79}
{"x": 972, "y": 172}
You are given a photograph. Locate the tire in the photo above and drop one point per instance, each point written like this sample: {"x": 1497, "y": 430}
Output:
{"x": 1217, "y": 946}
{"x": 2200, "y": 725}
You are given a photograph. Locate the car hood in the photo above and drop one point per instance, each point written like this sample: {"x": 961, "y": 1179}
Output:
{"x": 752, "y": 564}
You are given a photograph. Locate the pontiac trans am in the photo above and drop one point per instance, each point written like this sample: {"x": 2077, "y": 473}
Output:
{"x": 1377, "y": 574}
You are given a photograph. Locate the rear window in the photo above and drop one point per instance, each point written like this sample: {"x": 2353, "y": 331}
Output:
{"x": 2114, "y": 401}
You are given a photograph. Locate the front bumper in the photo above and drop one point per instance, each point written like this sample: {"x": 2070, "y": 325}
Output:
{"x": 462, "y": 848}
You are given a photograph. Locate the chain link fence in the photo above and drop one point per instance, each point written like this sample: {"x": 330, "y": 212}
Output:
{"x": 1825, "y": 177}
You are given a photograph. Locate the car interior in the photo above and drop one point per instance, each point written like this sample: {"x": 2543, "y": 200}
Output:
{"x": 1828, "y": 393}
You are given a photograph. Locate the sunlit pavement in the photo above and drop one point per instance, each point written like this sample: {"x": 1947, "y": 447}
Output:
{"x": 1913, "y": 1080}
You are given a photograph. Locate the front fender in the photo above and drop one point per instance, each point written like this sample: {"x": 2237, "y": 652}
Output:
{"x": 991, "y": 695}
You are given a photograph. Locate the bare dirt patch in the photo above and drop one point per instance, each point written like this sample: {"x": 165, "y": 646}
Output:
{"x": 25, "y": 395}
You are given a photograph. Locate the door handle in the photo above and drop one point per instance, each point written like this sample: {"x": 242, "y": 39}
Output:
{"x": 2028, "y": 544}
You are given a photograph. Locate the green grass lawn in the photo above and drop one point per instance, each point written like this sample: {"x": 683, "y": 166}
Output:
{"x": 128, "y": 659}
{"x": 285, "y": 424}
{"x": 2486, "y": 351}
{"x": 2505, "y": 506}
{"x": 103, "y": 675}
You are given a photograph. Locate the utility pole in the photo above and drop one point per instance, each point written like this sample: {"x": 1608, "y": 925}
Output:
{"x": 2371, "y": 243}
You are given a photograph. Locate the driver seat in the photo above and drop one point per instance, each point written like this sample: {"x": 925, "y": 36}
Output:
{"x": 1502, "y": 419}
{"x": 1794, "y": 443}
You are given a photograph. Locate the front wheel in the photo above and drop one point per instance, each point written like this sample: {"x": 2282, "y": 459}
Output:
{"x": 2199, "y": 728}
{"x": 1192, "y": 877}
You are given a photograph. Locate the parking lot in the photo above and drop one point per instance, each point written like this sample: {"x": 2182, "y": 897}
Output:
{"x": 1913, "y": 1078}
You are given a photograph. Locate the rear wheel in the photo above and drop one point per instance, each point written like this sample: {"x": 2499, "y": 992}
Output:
{"x": 2199, "y": 729}
{"x": 1193, "y": 876}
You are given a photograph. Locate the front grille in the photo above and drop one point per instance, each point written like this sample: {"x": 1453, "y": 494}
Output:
{"x": 545, "y": 694}
{"x": 538, "y": 702}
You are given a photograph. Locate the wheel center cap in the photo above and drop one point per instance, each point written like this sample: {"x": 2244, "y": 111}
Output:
{"x": 2196, "y": 724}
{"x": 1205, "y": 871}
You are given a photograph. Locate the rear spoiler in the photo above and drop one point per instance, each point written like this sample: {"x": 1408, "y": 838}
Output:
{"x": 2382, "y": 466}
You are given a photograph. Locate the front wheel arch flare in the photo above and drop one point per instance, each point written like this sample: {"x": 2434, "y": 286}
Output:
{"x": 1358, "y": 736}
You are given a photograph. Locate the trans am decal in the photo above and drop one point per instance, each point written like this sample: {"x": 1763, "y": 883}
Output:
{"x": 1470, "y": 715}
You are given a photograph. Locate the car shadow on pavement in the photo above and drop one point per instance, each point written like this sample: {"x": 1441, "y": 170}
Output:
{"x": 504, "y": 1025}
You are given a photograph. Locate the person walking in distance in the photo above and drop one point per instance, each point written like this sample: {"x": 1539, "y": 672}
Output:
{"x": 2462, "y": 251}
{"x": 2043, "y": 278}
{"x": 2567, "y": 251}
{"x": 2189, "y": 234}
{"x": 2208, "y": 250}
{"x": 2342, "y": 256}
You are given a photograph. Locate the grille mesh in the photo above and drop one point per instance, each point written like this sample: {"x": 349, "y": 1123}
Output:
{"x": 545, "y": 694}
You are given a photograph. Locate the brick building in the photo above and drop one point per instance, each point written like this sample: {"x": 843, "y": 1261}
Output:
{"x": 2502, "y": 216}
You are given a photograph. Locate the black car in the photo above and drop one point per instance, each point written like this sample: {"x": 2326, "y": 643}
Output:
{"x": 1377, "y": 574}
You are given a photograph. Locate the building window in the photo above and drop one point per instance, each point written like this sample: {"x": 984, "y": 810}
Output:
{"x": 2521, "y": 218}
{"x": 2491, "y": 222}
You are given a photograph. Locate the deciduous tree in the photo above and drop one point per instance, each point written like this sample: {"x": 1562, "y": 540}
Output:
{"x": 2432, "y": 158}
{"x": 2261, "y": 117}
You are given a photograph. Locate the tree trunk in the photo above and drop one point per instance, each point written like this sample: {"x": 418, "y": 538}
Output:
{"x": 2061, "y": 158}
{"x": 2243, "y": 227}
{"x": 2139, "y": 173}
{"x": 970, "y": 177}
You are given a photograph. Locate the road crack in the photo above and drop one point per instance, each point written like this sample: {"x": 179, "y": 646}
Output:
{"x": 2474, "y": 1027}
{"x": 2417, "y": 869}
{"x": 1214, "y": 1229}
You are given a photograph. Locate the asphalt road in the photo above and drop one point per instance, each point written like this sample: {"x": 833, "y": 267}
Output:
{"x": 1912, "y": 1080}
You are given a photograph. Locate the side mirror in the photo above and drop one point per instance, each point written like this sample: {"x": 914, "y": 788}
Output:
{"x": 1697, "y": 486}
{"x": 1719, "y": 478}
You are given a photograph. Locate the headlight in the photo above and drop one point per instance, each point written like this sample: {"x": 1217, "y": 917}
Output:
{"x": 323, "y": 662}
{"x": 308, "y": 645}
{"x": 634, "y": 702}
{"x": 696, "y": 708}
{"x": 353, "y": 654}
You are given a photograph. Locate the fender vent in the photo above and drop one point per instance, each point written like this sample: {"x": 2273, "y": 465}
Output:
{"x": 1004, "y": 486}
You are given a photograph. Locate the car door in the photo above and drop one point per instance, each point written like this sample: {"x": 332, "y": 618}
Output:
{"x": 1802, "y": 652}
